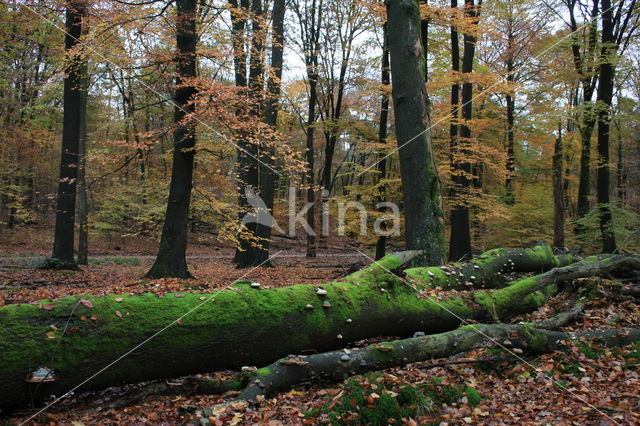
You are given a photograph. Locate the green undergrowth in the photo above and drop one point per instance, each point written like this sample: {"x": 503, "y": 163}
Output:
{"x": 56, "y": 264}
{"x": 380, "y": 399}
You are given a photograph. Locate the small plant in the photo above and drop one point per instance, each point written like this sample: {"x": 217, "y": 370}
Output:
{"x": 57, "y": 264}
{"x": 380, "y": 399}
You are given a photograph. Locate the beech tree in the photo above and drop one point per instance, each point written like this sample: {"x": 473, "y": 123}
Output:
{"x": 619, "y": 25}
{"x": 584, "y": 52}
{"x": 385, "y": 79}
{"x": 309, "y": 14}
{"x": 460, "y": 240}
{"x": 558, "y": 191}
{"x": 255, "y": 162}
{"x": 171, "y": 259}
{"x": 420, "y": 185}
{"x": 75, "y": 88}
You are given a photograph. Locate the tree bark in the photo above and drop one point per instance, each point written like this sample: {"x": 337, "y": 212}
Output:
{"x": 511, "y": 107}
{"x": 73, "y": 117}
{"x": 267, "y": 178}
{"x": 256, "y": 170}
{"x": 336, "y": 365}
{"x": 488, "y": 269}
{"x": 558, "y": 192}
{"x": 420, "y": 185}
{"x": 385, "y": 79}
{"x": 588, "y": 78}
{"x": 171, "y": 259}
{"x": 83, "y": 202}
{"x": 460, "y": 240}
{"x": 604, "y": 97}
{"x": 128, "y": 339}
{"x": 311, "y": 21}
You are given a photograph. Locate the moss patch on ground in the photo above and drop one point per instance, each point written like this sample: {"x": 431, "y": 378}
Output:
{"x": 381, "y": 399}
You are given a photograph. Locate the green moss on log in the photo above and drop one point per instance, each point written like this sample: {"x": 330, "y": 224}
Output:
{"x": 239, "y": 327}
{"x": 486, "y": 270}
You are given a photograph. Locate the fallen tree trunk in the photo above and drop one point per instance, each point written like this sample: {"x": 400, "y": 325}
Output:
{"x": 336, "y": 366}
{"x": 123, "y": 339}
{"x": 293, "y": 370}
{"x": 488, "y": 270}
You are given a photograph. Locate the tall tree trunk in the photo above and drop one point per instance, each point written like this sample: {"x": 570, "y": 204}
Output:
{"x": 258, "y": 254}
{"x": 311, "y": 25}
{"x": 171, "y": 259}
{"x": 620, "y": 173}
{"x": 73, "y": 118}
{"x": 420, "y": 185}
{"x": 424, "y": 30}
{"x": 385, "y": 79}
{"x": 454, "y": 127}
{"x": 605, "y": 96}
{"x": 249, "y": 152}
{"x": 558, "y": 192}
{"x": 511, "y": 107}
{"x": 330, "y": 146}
{"x": 83, "y": 202}
{"x": 585, "y": 69}
{"x": 311, "y": 217}
{"x": 511, "y": 160}
{"x": 460, "y": 241}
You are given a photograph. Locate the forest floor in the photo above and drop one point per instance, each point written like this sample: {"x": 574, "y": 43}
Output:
{"x": 580, "y": 385}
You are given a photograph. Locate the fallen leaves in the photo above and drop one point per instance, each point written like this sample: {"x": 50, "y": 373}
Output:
{"x": 86, "y": 303}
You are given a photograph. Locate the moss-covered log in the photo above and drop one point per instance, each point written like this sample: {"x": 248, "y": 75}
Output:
{"x": 335, "y": 366}
{"x": 292, "y": 370}
{"x": 181, "y": 334}
{"x": 488, "y": 270}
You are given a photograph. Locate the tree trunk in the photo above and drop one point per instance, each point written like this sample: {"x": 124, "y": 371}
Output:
{"x": 460, "y": 240}
{"x": 558, "y": 192}
{"x": 584, "y": 67}
{"x": 511, "y": 107}
{"x": 420, "y": 186}
{"x": 335, "y": 366}
{"x": 151, "y": 337}
{"x": 267, "y": 180}
{"x": 488, "y": 269}
{"x": 249, "y": 152}
{"x": 83, "y": 202}
{"x": 511, "y": 156}
{"x": 171, "y": 259}
{"x": 330, "y": 146}
{"x": 605, "y": 95}
{"x": 584, "y": 182}
{"x": 385, "y": 79}
{"x": 73, "y": 118}
{"x": 310, "y": 181}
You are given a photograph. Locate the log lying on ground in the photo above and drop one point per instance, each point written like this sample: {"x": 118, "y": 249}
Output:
{"x": 336, "y": 366}
{"x": 286, "y": 373}
{"x": 186, "y": 333}
{"x": 488, "y": 269}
